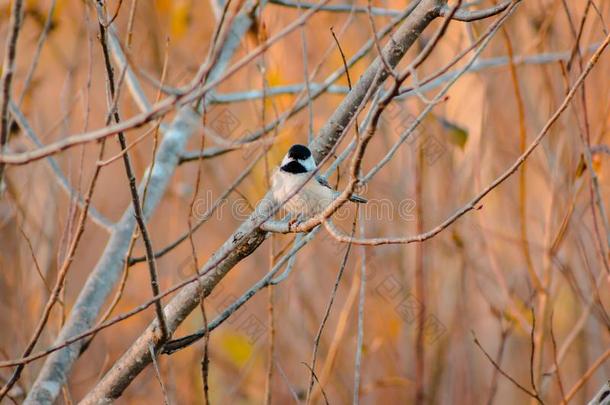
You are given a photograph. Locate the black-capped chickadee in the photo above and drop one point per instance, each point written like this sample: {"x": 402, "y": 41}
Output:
{"x": 313, "y": 196}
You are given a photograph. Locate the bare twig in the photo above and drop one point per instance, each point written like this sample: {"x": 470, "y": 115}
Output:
{"x": 587, "y": 375}
{"x": 533, "y": 352}
{"x": 497, "y": 367}
{"x": 461, "y": 15}
{"x": 313, "y": 374}
{"x": 135, "y": 198}
{"x": 331, "y": 300}
{"x": 341, "y": 8}
{"x": 431, "y": 82}
{"x": 8, "y": 70}
{"x": 468, "y": 16}
{"x": 360, "y": 336}
{"x": 34, "y": 259}
{"x": 64, "y": 183}
{"x": 41, "y": 40}
{"x": 555, "y": 362}
{"x": 153, "y": 355}
{"x": 522, "y": 173}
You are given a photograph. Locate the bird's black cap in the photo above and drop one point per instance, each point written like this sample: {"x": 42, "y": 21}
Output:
{"x": 293, "y": 167}
{"x": 299, "y": 152}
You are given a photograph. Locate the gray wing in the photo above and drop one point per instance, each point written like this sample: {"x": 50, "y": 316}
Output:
{"x": 354, "y": 198}
{"x": 323, "y": 182}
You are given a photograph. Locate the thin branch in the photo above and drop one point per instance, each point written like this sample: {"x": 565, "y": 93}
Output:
{"x": 460, "y": 15}
{"x": 504, "y": 373}
{"x": 468, "y": 16}
{"x": 34, "y": 259}
{"x": 342, "y": 8}
{"x": 499, "y": 355}
{"x": 153, "y": 355}
{"x": 313, "y": 375}
{"x": 41, "y": 40}
{"x": 555, "y": 362}
{"x": 600, "y": 149}
{"x": 61, "y": 179}
{"x": 360, "y": 335}
{"x": 522, "y": 173}
{"x": 329, "y": 305}
{"x": 587, "y": 375}
{"x": 533, "y": 352}
{"x": 429, "y": 83}
{"x": 135, "y": 198}
{"x": 8, "y": 70}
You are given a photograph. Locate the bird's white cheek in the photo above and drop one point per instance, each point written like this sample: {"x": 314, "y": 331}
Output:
{"x": 309, "y": 164}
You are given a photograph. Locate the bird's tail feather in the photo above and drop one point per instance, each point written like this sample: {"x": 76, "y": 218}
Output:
{"x": 357, "y": 199}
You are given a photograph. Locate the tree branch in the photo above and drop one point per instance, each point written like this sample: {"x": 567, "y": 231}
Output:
{"x": 135, "y": 197}
{"x": 8, "y": 70}
{"x": 463, "y": 15}
{"x": 61, "y": 179}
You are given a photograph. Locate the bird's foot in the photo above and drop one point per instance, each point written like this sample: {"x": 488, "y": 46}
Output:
{"x": 295, "y": 222}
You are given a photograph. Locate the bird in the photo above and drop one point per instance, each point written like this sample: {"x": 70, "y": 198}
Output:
{"x": 310, "y": 195}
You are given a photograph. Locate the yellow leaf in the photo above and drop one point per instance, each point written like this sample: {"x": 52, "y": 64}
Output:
{"x": 236, "y": 347}
{"x": 164, "y": 6}
{"x": 597, "y": 165}
{"x": 180, "y": 18}
{"x": 580, "y": 169}
{"x": 457, "y": 134}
